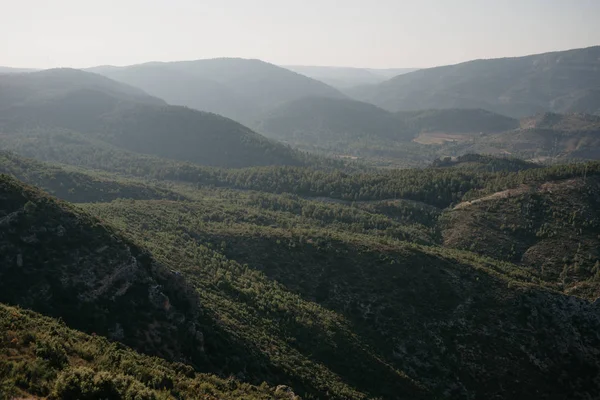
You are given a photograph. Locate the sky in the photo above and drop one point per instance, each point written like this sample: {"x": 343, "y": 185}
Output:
{"x": 355, "y": 33}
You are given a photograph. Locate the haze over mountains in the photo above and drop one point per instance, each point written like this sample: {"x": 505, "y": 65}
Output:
{"x": 228, "y": 229}
{"x": 564, "y": 81}
{"x": 236, "y": 88}
{"x": 102, "y": 111}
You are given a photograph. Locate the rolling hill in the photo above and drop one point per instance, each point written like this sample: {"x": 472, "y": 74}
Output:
{"x": 42, "y": 103}
{"x": 351, "y": 128}
{"x": 49, "y": 360}
{"x": 426, "y": 311}
{"x": 78, "y": 185}
{"x": 545, "y": 136}
{"x": 337, "y": 285}
{"x": 457, "y": 121}
{"x": 325, "y": 122}
{"x": 240, "y": 89}
{"x": 564, "y": 81}
{"x": 550, "y": 228}
{"x": 65, "y": 264}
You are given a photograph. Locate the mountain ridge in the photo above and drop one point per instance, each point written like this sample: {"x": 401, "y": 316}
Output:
{"x": 515, "y": 86}
{"x": 234, "y": 87}
{"x": 102, "y": 109}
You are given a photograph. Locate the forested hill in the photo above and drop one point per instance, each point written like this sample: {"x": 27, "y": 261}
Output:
{"x": 48, "y": 359}
{"x": 237, "y": 88}
{"x": 563, "y": 81}
{"x": 350, "y": 128}
{"x": 336, "y": 285}
{"x": 326, "y": 122}
{"x": 470, "y": 121}
{"x": 36, "y": 106}
{"x": 546, "y": 137}
{"x": 63, "y": 263}
{"x": 35, "y": 87}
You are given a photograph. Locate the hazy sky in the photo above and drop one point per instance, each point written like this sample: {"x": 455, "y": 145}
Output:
{"x": 361, "y": 33}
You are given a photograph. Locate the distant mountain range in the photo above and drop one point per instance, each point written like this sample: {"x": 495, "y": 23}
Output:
{"x": 346, "y": 77}
{"x": 473, "y": 106}
{"x": 563, "y": 81}
{"x": 236, "y": 88}
{"x": 40, "y": 106}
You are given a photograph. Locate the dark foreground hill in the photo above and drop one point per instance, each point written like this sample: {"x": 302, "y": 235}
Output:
{"x": 427, "y": 312}
{"x": 63, "y": 263}
{"x": 563, "y": 81}
{"x": 39, "y": 104}
{"x": 43, "y": 357}
{"x": 342, "y": 285}
{"x": 237, "y": 88}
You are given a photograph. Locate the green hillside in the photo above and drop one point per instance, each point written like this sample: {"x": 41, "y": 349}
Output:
{"x": 338, "y": 285}
{"x": 237, "y": 88}
{"x": 66, "y": 264}
{"x": 40, "y": 356}
{"x": 564, "y": 81}
{"x": 550, "y": 229}
{"x": 79, "y": 186}
{"x": 451, "y": 302}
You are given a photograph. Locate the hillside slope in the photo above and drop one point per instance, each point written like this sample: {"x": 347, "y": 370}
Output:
{"x": 347, "y": 295}
{"x": 545, "y": 136}
{"x": 427, "y": 312}
{"x": 237, "y": 88}
{"x": 562, "y": 81}
{"x": 63, "y": 263}
{"x": 323, "y": 122}
{"x": 43, "y": 357}
{"x": 78, "y": 186}
{"x": 457, "y": 121}
{"x": 349, "y": 128}
{"x": 38, "y": 87}
{"x": 115, "y": 113}
{"x": 551, "y": 229}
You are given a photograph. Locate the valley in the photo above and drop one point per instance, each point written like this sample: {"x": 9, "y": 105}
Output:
{"x": 231, "y": 229}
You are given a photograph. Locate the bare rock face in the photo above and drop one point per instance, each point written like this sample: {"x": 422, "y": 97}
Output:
{"x": 62, "y": 263}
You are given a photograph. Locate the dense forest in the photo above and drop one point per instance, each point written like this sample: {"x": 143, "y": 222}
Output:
{"x": 312, "y": 247}
{"x": 280, "y": 268}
